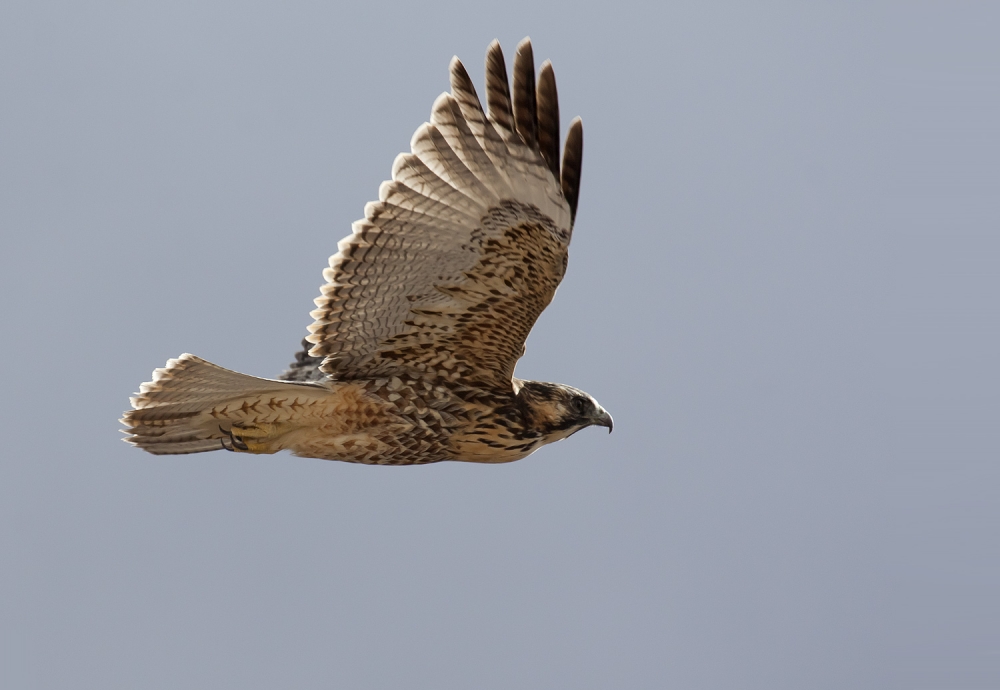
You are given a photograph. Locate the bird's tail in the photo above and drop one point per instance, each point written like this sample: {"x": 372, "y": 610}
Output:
{"x": 191, "y": 406}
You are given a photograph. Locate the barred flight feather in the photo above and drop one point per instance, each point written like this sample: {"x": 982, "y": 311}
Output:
{"x": 464, "y": 167}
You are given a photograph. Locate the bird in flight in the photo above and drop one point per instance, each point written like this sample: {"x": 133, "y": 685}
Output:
{"x": 426, "y": 306}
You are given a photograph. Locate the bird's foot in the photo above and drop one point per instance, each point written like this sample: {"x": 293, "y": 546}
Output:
{"x": 253, "y": 438}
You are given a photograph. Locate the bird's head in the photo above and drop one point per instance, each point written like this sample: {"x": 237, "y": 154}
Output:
{"x": 556, "y": 411}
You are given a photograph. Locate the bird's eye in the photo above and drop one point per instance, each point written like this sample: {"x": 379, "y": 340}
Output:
{"x": 579, "y": 405}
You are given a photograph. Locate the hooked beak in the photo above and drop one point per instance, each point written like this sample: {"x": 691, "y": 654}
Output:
{"x": 602, "y": 418}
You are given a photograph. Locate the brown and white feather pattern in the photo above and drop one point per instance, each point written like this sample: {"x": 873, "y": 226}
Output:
{"x": 426, "y": 308}
{"x": 449, "y": 270}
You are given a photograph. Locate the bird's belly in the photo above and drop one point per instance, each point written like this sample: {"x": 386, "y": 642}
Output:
{"x": 362, "y": 446}
{"x": 490, "y": 448}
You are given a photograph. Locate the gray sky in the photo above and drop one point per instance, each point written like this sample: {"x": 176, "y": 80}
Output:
{"x": 783, "y": 284}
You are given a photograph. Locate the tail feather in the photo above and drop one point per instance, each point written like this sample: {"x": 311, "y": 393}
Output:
{"x": 172, "y": 414}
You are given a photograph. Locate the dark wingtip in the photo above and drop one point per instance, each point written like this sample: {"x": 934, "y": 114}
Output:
{"x": 497, "y": 87}
{"x": 457, "y": 69}
{"x": 571, "y": 164}
{"x": 547, "y": 104}
{"x": 525, "y": 110}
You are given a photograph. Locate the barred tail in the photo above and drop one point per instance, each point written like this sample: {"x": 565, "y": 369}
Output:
{"x": 175, "y": 413}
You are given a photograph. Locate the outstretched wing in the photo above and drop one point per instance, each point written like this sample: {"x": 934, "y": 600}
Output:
{"x": 465, "y": 247}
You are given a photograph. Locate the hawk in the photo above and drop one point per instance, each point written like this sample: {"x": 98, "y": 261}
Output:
{"x": 426, "y": 306}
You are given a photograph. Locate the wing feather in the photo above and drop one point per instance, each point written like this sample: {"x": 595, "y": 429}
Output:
{"x": 525, "y": 111}
{"x": 447, "y": 116}
{"x": 486, "y": 130}
{"x": 395, "y": 193}
{"x": 498, "y": 91}
{"x": 448, "y": 271}
{"x": 412, "y": 171}
{"x": 572, "y": 164}
{"x": 548, "y": 117}
{"x": 437, "y": 154}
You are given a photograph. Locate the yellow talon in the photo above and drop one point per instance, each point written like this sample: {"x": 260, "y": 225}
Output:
{"x": 256, "y": 438}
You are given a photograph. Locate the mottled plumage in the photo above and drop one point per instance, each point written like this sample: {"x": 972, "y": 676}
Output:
{"x": 426, "y": 307}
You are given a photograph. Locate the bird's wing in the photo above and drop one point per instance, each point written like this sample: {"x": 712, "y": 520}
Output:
{"x": 450, "y": 268}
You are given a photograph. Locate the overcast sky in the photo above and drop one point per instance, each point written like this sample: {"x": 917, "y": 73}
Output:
{"x": 783, "y": 284}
